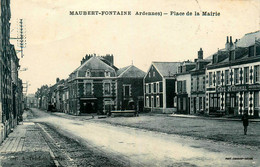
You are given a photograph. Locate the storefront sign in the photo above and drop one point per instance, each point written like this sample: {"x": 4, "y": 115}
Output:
{"x": 238, "y": 88}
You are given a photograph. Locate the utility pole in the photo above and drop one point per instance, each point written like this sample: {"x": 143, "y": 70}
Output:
{"x": 21, "y": 37}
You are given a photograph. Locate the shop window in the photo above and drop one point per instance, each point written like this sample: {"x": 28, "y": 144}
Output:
{"x": 257, "y": 73}
{"x": 246, "y": 75}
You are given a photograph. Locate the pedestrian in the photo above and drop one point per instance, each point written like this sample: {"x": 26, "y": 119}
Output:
{"x": 245, "y": 122}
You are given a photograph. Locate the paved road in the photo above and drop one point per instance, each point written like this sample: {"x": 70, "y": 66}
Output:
{"x": 147, "y": 148}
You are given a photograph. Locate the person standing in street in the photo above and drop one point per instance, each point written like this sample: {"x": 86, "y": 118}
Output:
{"x": 245, "y": 122}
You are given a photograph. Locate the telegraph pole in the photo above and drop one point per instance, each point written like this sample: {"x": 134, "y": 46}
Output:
{"x": 21, "y": 37}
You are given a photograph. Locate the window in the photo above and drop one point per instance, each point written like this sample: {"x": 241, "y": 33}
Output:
{"x": 127, "y": 90}
{"x": 149, "y": 74}
{"x": 256, "y": 99}
{"x": 246, "y": 100}
{"x": 107, "y": 89}
{"x": 218, "y": 78}
{"x": 147, "y": 101}
{"x": 227, "y": 77}
{"x": 157, "y": 87}
{"x": 149, "y": 88}
{"x": 87, "y": 73}
{"x": 152, "y": 87}
{"x": 210, "y": 78}
{"x": 88, "y": 88}
{"x": 154, "y": 74}
{"x": 107, "y": 74}
{"x": 236, "y": 75}
{"x": 146, "y": 88}
{"x": 246, "y": 75}
{"x": 184, "y": 86}
{"x": 257, "y": 73}
{"x": 160, "y": 86}
{"x": 157, "y": 101}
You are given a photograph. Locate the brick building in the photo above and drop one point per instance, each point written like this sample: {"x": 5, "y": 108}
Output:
{"x": 93, "y": 86}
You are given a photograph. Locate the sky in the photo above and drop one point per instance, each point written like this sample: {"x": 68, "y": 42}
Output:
{"x": 57, "y": 41}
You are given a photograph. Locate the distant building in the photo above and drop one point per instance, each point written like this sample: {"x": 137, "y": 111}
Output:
{"x": 233, "y": 78}
{"x": 159, "y": 87}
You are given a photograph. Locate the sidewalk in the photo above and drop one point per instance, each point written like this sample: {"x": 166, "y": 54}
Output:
{"x": 214, "y": 118}
{"x": 25, "y": 146}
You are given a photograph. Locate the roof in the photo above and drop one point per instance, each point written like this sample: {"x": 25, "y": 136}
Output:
{"x": 122, "y": 70}
{"x": 131, "y": 72}
{"x": 248, "y": 39}
{"x": 94, "y": 63}
{"x": 166, "y": 68}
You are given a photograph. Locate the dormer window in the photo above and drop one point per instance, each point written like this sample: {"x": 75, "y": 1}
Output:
{"x": 87, "y": 73}
{"x": 107, "y": 74}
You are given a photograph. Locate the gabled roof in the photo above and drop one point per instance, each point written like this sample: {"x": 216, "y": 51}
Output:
{"x": 94, "y": 63}
{"x": 130, "y": 72}
{"x": 166, "y": 69}
{"x": 122, "y": 70}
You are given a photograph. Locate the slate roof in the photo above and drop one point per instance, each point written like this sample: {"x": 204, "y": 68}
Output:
{"x": 130, "y": 72}
{"x": 166, "y": 69}
{"x": 248, "y": 39}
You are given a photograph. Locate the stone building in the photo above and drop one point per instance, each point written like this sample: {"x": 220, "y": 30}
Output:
{"x": 233, "y": 78}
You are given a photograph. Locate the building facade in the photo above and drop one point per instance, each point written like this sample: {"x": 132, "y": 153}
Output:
{"x": 93, "y": 86}
{"x": 159, "y": 87}
{"x": 233, "y": 78}
{"x": 198, "y": 85}
{"x": 183, "y": 87}
{"x": 130, "y": 88}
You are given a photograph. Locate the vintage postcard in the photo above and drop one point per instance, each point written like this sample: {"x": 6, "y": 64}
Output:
{"x": 130, "y": 83}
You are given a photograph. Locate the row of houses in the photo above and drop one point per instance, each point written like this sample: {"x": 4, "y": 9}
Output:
{"x": 11, "y": 89}
{"x": 97, "y": 86}
{"x": 227, "y": 82}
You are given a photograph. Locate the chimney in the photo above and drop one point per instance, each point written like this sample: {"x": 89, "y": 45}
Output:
{"x": 200, "y": 54}
{"x": 227, "y": 40}
{"x": 231, "y": 40}
{"x": 57, "y": 80}
{"x": 227, "y": 46}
